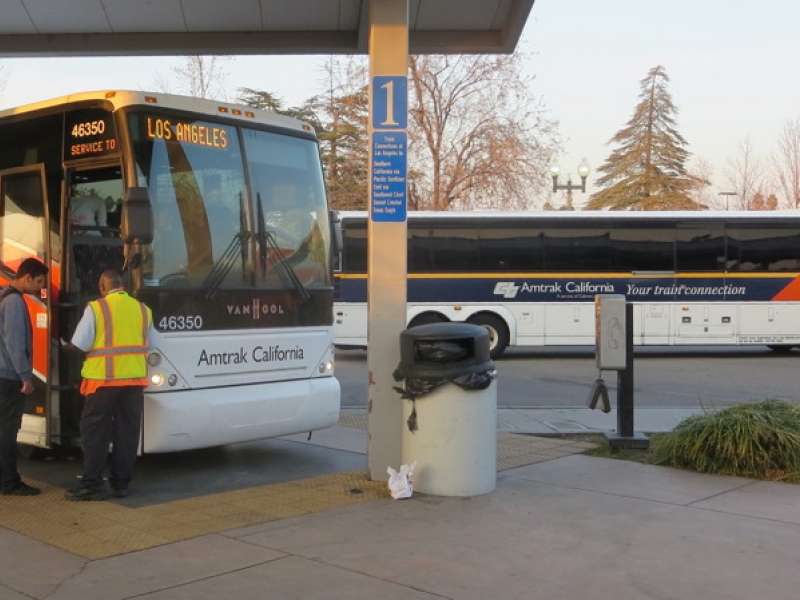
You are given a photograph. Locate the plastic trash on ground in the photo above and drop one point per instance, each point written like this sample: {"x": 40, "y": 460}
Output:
{"x": 401, "y": 483}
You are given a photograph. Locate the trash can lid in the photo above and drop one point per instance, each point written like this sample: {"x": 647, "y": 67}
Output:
{"x": 445, "y": 331}
{"x": 444, "y": 349}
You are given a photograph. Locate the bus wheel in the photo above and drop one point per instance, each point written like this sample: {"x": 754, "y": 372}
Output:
{"x": 28, "y": 451}
{"x": 781, "y": 348}
{"x": 498, "y": 333}
{"x": 427, "y": 319}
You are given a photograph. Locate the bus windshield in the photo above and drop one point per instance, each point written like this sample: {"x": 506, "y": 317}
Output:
{"x": 234, "y": 208}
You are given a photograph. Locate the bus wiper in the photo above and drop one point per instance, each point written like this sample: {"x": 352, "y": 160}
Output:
{"x": 266, "y": 240}
{"x": 224, "y": 265}
{"x": 226, "y": 262}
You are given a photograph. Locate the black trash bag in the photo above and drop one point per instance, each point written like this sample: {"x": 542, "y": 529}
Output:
{"x": 414, "y": 387}
{"x": 475, "y": 381}
{"x": 438, "y": 352}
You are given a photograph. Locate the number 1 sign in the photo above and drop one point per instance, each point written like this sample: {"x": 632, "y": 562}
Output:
{"x": 390, "y": 102}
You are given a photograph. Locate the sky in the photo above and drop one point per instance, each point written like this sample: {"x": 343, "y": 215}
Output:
{"x": 734, "y": 69}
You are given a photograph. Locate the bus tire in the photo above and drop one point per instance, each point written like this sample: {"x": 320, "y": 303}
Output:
{"x": 498, "y": 333}
{"x": 428, "y": 318}
{"x": 30, "y": 452}
{"x": 781, "y": 348}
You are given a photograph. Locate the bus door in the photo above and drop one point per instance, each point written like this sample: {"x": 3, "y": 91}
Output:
{"x": 24, "y": 231}
{"x": 93, "y": 197}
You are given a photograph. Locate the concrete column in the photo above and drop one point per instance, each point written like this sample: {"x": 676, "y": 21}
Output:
{"x": 386, "y": 289}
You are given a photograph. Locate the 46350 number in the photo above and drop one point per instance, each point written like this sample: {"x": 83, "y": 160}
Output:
{"x": 89, "y": 128}
{"x": 180, "y": 322}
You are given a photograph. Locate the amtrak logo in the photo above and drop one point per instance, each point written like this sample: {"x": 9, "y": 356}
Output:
{"x": 506, "y": 289}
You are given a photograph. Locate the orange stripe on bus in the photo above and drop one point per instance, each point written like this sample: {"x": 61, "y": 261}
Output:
{"x": 790, "y": 292}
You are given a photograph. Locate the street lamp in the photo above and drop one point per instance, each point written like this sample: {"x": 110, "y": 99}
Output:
{"x": 727, "y": 196}
{"x": 583, "y": 172}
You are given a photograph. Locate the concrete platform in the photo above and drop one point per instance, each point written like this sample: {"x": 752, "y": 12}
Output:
{"x": 565, "y": 527}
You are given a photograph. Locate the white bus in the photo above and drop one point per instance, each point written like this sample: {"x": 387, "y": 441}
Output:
{"x": 217, "y": 216}
{"x": 530, "y": 278}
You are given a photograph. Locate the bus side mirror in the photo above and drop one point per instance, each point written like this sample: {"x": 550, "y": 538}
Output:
{"x": 137, "y": 217}
{"x": 337, "y": 238}
{"x": 336, "y": 229}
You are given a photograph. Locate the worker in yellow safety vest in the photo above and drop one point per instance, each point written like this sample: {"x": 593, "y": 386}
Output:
{"x": 114, "y": 332}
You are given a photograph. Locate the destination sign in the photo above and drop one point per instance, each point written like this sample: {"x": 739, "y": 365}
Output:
{"x": 88, "y": 133}
{"x": 187, "y": 132}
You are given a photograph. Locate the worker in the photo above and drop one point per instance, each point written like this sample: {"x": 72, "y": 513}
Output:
{"x": 114, "y": 332}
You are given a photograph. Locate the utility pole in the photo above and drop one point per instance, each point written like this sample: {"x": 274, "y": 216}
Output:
{"x": 727, "y": 196}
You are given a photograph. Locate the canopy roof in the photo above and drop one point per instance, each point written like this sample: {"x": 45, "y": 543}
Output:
{"x": 205, "y": 27}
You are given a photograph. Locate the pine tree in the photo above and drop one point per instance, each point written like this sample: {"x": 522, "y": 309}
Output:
{"x": 339, "y": 118}
{"x": 647, "y": 170}
{"x": 344, "y": 111}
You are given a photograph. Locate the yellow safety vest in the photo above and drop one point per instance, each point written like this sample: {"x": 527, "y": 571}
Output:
{"x": 119, "y": 350}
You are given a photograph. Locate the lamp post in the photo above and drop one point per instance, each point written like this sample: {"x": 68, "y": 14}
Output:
{"x": 583, "y": 173}
{"x": 727, "y": 196}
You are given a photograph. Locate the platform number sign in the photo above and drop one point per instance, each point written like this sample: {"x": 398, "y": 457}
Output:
{"x": 389, "y": 144}
{"x": 390, "y": 102}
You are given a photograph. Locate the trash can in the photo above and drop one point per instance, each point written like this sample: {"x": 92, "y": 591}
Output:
{"x": 449, "y": 408}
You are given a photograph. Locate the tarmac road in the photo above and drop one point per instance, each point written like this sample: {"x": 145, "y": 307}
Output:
{"x": 664, "y": 377}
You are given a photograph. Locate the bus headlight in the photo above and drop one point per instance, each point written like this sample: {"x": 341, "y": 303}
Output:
{"x": 154, "y": 359}
{"x": 158, "y": 379}
{"x": 326, "y": 366}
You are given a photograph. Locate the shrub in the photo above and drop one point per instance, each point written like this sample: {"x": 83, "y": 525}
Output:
{"x": 759, "y": 440}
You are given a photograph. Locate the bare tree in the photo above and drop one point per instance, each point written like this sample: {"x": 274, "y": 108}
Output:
{"x": 477, "y": 137}
{"x": 745, "y": 176}
{"x": 198, "y": 76}
{"x": 760, "y": 202}
{"x": 700, "y": 172}
{"x": 786, "y": 163}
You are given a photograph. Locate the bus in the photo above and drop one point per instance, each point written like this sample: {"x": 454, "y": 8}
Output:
{"x": 531, "y": 278}
{"x": 216, "y": 214}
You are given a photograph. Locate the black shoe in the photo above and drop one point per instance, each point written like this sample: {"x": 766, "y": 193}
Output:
{"x": 84, "y": 494}
{"x": 119, "y": 492}
{"x": 22, "y": 489}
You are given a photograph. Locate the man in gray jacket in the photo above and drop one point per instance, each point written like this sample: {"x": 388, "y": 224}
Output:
{"x": 16, "y": 369}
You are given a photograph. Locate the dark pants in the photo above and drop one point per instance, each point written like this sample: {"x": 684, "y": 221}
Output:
{"x": 112, "y": 415}
{"x": 12, "y": 403}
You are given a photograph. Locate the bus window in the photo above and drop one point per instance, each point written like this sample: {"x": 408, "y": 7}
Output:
{"x": 291, "y": 209}
{"x": 642, "y": 249}
{"x": 444, "y": 250}
{"x": 196, "y": 187}
{"x": 576, "y": 249}
{"x": 700, "y": 248}
{"x": 354, "y": 252}
{"x": 21, "y": 217}
{"x": 96, "y": 194}
{"x": 761, "y": 249}
{"x": 506, "y": 250}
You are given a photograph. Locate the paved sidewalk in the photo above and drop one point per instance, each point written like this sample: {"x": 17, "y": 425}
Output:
{"x": 569, "y": 528}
